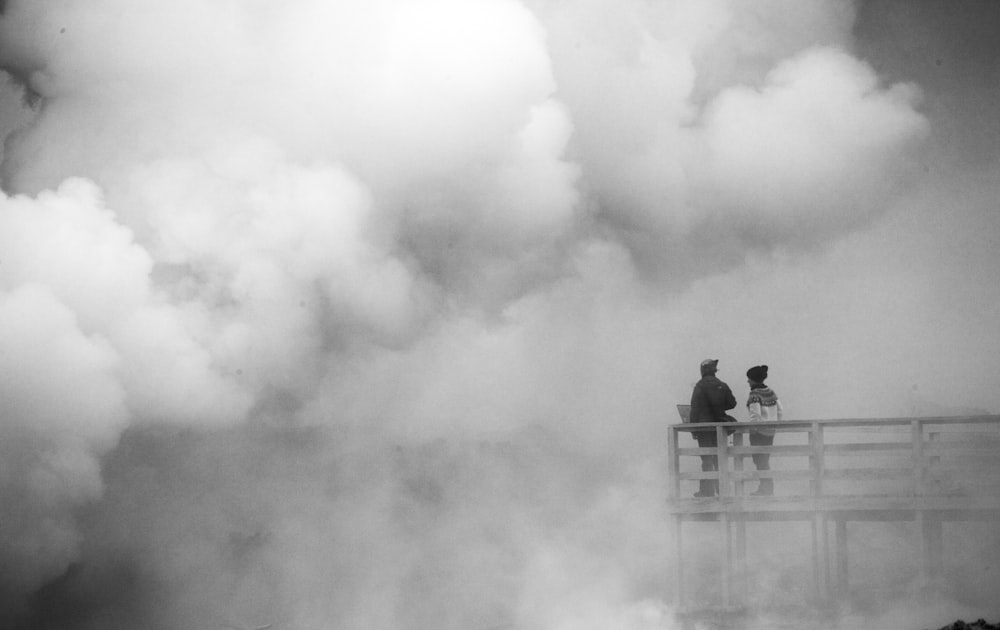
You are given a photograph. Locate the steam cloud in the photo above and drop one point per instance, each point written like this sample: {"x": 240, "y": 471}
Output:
{"x": 402, "y": 230}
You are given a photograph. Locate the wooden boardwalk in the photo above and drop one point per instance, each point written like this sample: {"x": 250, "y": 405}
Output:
{"x": 831, "y": 472}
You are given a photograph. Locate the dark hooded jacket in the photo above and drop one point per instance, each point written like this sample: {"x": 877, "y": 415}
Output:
{"x": 711, "y": 399}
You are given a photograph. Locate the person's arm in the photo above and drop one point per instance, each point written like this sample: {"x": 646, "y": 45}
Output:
{"x": 730, "y": 400}
{"x": 754, "y": 407}
{"x": 781, "y": 411}
{"x": 697, "y": 403}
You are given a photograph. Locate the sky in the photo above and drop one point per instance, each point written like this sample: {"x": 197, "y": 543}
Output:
{"x": 399, "y": 296}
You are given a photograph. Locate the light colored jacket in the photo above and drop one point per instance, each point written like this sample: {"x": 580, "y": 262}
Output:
{"x": 764, "y": 406}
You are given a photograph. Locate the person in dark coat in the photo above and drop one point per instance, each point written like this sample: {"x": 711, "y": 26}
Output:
{"x": 710, "y": 401}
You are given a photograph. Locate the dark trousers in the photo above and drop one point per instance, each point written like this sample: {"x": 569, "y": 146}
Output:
{"x": 762, "y": 460}
{"x": 709, "y": 463}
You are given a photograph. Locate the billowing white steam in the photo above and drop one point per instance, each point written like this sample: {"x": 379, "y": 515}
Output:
{"x": 430, "y": 216}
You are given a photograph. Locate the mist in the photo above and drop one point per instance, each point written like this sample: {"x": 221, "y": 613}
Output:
{"x": 371, "y": 314}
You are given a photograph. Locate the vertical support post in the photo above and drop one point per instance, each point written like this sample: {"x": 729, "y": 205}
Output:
{"x": 741, "y": 560}
{"x": 816, "y": 460}
{"x": 722, "y": 440}
{"x": 921, "y": 519}
{"x": 673, "y": 465}
{"x": 933, "y": 472}
{"x": 815, "y": 557}
{"x": 935, "y": 546}
{"x": 931, "y": 546}
{"x": 679, "y": 554}
{"x": 841, "y": 543}
{"x": 917, "y": 437}
{"x": 821, "y": 563}
{"x": 738, "y": 463}
{"x": 727, "y": 564}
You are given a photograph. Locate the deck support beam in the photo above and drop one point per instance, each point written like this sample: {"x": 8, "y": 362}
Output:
{"x": 727, "y": 564}
{"x": 821, "y": 557}
{"x": 842, "y": 588}
{"x": 679, "y": 561}
{"x": 931, "y": 546}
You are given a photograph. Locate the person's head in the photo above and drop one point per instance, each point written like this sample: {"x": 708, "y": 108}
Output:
{"x": 709, "y": 366}
{"x": 757, "y": 375}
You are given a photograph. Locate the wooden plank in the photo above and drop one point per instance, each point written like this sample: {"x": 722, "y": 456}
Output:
{"x": 945, "y": 421}
{"x": 707, "y": 474}
{"x": 848, "y": 502}
{"x": 751, "y": 475}
{"x": 856, "y": 474}
{"x": 762, "y": 515}
{"x": 757, "y": 517}
{"x": 838, "y": 431}
{"x": 708, "y": 450}
{"x": 950, "y": 421}
{"x": 869, "y": 474}
{"x": 943, "y": 449}
{"x": 964, "y": 431}
{"x": 866, "y": 447}
{"x": 790, "y": 449}
{"x": 832, "y": 474}
{"x": 968, "y": 515}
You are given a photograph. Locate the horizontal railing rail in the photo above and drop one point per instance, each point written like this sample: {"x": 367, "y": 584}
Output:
{"x": 849, "y": 456}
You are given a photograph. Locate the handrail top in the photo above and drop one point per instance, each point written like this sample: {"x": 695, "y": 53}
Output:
{"x": 897, "y": 421}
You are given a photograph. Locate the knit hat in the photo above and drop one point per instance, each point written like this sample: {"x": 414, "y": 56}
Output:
{"x": 757, "y": 373}
{"x": 709, "y": 366}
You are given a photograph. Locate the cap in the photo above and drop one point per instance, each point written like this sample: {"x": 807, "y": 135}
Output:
{"x": 708, "y": 366}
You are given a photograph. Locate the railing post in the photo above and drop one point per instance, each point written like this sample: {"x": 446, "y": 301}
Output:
{"x": 722, "y": 469}
{"x": 933, "y": 471}
{"x": 917, "y": 429}
{"x": 673, "y": 463}
{"x": 738, "y": 463}
{"x": 817, "y": 462}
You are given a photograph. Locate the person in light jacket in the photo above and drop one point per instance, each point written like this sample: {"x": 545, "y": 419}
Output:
{"x": 710, "y": 401}
{"x": 764, "y": 406}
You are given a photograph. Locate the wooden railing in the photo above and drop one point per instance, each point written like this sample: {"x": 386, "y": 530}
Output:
{"x": 848, "y": 457}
